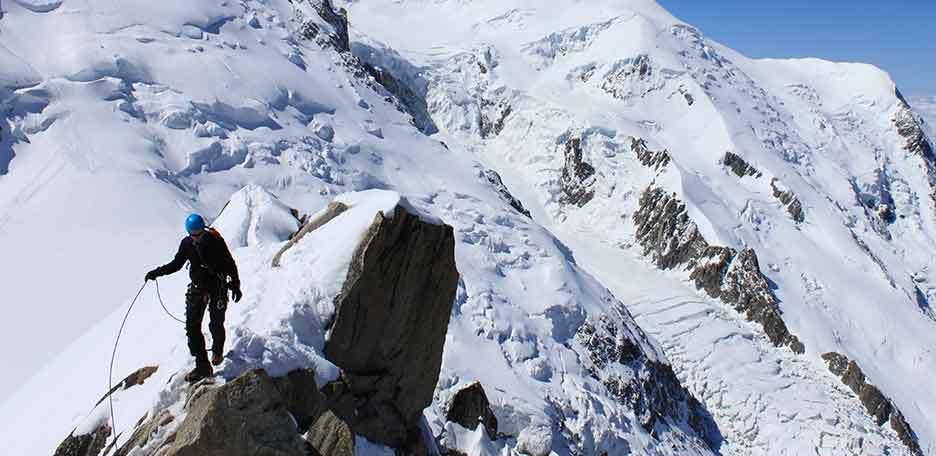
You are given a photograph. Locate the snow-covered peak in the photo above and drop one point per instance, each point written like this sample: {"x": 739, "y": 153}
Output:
{"x": 255, "y": 216}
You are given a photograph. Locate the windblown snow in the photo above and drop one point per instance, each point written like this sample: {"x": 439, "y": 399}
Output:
{"x": 533, "y": 131}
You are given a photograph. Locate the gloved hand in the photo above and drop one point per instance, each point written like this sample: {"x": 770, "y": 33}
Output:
{"x": 152, "y": 275}
{"x": 236, "y": 293}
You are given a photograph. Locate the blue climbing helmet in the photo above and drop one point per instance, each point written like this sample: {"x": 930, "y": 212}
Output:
{"x": 194, "y": 223}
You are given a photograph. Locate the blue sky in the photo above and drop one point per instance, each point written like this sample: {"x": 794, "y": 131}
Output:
{"x": 898, "y": 35}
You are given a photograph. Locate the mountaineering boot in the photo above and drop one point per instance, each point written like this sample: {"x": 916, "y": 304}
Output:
{"x": 202, "y": 370}
{"x": 217, "y": 359}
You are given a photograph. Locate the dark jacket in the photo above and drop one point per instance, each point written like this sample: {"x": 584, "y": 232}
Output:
{"x": 209, "y": 258}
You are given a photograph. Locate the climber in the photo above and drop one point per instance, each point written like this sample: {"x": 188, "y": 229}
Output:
{"x": 212, "y": 272}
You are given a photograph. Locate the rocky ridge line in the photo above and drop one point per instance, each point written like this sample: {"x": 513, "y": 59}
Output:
{"x": 878, "y": 406}
{"x": 666, "y": 233}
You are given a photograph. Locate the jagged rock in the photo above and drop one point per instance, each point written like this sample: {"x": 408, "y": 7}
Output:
{"x": 333, "y": 210}
{"x": 331, "y": 436}
{"x": 91, "y": 444}
{"x": 906, "y": 434}
{"x": 652, "y": 159}
{"x": 412, "y": 102}
{"x": 909, "y": 128}
{"x": 666, "y": 232}
{"x": 134, "y": 379}
{"x": 494, "y": 179}
{"x": 145, "y": 431}
{"x": 84, "y": 445}
{"x": 877, "y": 405}
{"x": 853, "y": 377}
{"x": 493, "y": 117}
{"x": 649, "y": 387}
{"x": 338, "y": 20}
{"x": 470, "y": 407}
{"x": 577, "y": 176}
{"x": 629, "y": 78}
{"x": 789, "y": 199}
{"x": 247, "y": 416}
{"x": 837, "y": 362}
{"x": 711, "y": 268}
{"x": 389, "y": 329}
{"x": 302, "y": 397}
{"x": 739, "y": 166}
{"x": 746, "y": 287}
{"x": 917, "y": 143}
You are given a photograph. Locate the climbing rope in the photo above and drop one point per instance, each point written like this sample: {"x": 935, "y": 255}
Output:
{"x": 110, "y": 375}
{"x": 159, "y": 296}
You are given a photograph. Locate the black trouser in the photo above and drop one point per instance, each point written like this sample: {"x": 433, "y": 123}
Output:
{"x": 197, "y": 300}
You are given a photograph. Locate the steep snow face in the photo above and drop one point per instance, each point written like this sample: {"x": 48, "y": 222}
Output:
{"x": 840, "y": 209}
{"x": 128, "y": 116}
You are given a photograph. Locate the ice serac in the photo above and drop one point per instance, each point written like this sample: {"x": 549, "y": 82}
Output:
{"x": 389, "y": 328}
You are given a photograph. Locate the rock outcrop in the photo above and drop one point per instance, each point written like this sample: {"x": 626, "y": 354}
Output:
{"x": 878, "y": 406}
{"x": 909, "y": 128}
{"x": 494, "y": 115}
{"x": 331, "y": 436}
{"x": 389, "y": 328}
{"x": 333, "y": 210}
{"x": 84, "y": 445}
{"x": 247, "y": 416}
{"x": 632, "y": 78}
{"x": 138, "y": 377}
{"x": 577, "y": 176}
{"x": 337, "y": 21}
{"x": 672, "y": 239}
{"x": 647, "y": 386}
{"x": 655, "y": 159}
{"x": 739, "y": 166}
{"x": 470, "y": 407}
{"x": 494, "y": 179}
{"x": 917, "y": 143}
{"x": 788, "y": 199}
{"x": 413, "y": 102}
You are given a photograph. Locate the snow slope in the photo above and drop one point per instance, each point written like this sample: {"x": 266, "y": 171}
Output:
{"x": 122, "y": 117}
{"x": 126, "y": 116}
{"x": 517, "y": 84}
